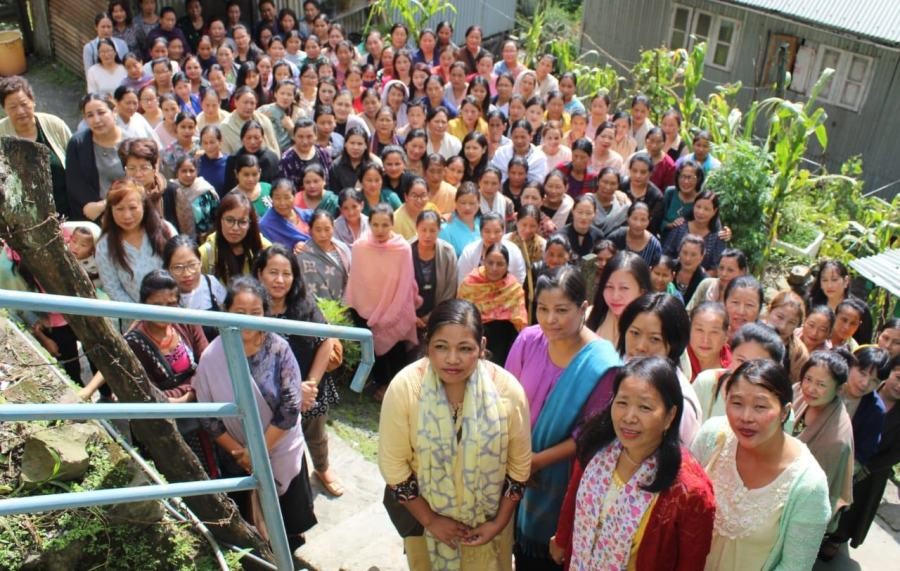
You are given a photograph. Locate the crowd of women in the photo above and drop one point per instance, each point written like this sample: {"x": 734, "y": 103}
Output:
{"x": 667, "y": 418}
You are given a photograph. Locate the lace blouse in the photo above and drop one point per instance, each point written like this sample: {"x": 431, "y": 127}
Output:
{"x": 747, "y": 520}
{"x": 779, "y": 526}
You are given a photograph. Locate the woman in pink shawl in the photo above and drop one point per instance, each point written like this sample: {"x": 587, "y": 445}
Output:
{"x": 382, "y": 292}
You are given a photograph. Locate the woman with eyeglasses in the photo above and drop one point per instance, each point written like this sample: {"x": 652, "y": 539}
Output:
{"x": 416, "y": 202}
{"x": 196, "y": 290}
{"x": 230, "y": 250}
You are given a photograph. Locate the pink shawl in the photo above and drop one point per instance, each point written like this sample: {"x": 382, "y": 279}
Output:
{"x": 382, "y": 289}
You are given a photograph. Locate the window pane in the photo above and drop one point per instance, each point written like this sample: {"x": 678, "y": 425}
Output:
{"x": 831, "y": 59}
{"x": 857, "y": 70}
{"x": 852, "y": 92}
{"x": 681, "y": 19}
{"x": 704, "y": 23}
{"x": 678, "y": 40}
{"x": 721, "y": 55}
{"x": 726, "y": 31}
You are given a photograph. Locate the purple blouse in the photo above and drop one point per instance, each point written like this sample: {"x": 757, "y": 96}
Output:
{"x": 529, "y": 360}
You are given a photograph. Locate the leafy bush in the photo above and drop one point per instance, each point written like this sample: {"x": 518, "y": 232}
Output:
{"x": 743, "y": 184}
{"x": 336, "y": 313}
{"x": 855, "y": 225}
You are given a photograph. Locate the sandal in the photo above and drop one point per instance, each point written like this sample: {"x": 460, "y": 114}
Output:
{"x": 333, "y": 487}
{"x": 828, "y": 550}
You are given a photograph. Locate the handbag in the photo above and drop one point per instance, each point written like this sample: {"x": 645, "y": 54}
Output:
{"x": 404, "y": 522}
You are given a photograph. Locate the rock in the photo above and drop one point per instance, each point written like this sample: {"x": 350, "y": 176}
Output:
{"x": 798, "y": 276}
{"x": 55, "y": 560}
{"x": 58, "y": 453}
{"x": 136, "y": 513}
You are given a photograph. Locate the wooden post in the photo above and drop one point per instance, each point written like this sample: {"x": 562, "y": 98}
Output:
{"x": 29, "y": 224}
{"x": 43, "y": 42}
{"x": 781, "y": 70}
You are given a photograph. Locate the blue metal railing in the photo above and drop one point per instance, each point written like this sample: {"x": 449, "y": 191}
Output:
{"x": 244, "y": 407}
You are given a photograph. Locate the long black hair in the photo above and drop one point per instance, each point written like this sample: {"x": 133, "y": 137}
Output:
{"x": 297, "y": 303}
{"x": 631, "y": 263}
{"x": 676, "y": 326}
{"x": 599, "y": 430}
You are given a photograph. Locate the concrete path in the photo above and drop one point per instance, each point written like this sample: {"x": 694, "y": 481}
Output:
{"x": 882, "y": 545}
{"x": 354, "y": 532}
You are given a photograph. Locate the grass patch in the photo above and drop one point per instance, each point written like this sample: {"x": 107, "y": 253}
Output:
{"x": 53, "y": 73}
{"x": 355, "y": 420}
{"x": 800, "y": 234}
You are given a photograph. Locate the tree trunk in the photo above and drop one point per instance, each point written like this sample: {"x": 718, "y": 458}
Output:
{"x": 29, "y": 224}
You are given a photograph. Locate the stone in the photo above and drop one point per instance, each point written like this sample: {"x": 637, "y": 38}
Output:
{"x": 58, "y": 453}
{"x": 798, "y": 276}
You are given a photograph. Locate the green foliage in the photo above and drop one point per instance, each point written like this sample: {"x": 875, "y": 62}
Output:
{"x": 531, "y": 33}
{"x": 93, "y": 537}
{"x": 415, "y": 14}
{"x": 336, "y": 313}
{"x": 790, "y": 127}
{"x": 742, "y": 183}
{"x": 720, "y": 116}
{"x": 854, "y": 225}
{"x": 657, "y": 74}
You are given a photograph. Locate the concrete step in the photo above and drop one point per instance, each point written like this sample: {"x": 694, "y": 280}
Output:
{"x": 354, "y": 532}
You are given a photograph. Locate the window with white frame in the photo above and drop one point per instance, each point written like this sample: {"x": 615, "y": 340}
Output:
{"x": 850, "y": 82}
{"x": 690, "y": 25}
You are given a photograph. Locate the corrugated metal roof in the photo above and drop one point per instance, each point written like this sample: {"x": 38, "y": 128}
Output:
{"x": 878, "y": 20}
{"x": 881, "y": 269}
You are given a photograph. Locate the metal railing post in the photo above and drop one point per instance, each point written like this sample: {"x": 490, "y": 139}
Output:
{"x": 242, "y": 383}
{"x": 245, "y": 405}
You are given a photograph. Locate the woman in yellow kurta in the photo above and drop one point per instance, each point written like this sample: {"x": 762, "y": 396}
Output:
{"x": 416, "y": 202}
{"x": 455, "y": 447}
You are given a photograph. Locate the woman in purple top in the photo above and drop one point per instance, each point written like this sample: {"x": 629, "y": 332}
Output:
{"x": 280, "y": 398}
{"x": 568, "y": 377}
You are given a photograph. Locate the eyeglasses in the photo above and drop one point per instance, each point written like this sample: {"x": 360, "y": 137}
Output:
{"x": 687, "y": 176}
{"x": 236, "y": 222}
{"x": 131, "y": 169}
{"x": 418, "y": 196}
{"x": 181, "y": 269}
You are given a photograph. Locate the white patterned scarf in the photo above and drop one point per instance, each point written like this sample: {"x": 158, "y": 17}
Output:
{"x": 482, "y": 450}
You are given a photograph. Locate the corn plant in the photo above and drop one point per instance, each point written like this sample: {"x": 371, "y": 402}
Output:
{"x": 415, "y": 14}
{"x": 657, "y": 75}
{"x": 791, "y": 125}
{"x": 531, "y": 35}
{"x": 689, "y": 104}
{"x": 720, "y": 116}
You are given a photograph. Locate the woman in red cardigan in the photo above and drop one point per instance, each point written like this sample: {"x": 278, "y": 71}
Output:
{"x": 636, "y": 500}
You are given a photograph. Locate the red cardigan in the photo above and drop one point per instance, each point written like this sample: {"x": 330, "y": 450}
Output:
{"x": 679, "y": 531}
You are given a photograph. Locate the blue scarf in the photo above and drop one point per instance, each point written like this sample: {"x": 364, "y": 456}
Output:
{"x": 279, "y": 230}
{"x": 539, "y": 509}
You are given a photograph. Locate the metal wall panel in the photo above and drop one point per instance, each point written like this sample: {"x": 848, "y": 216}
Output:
{"x": 621, "y": 29}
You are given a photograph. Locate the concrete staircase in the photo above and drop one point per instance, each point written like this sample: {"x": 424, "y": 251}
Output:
{"x": 354, "y": 532}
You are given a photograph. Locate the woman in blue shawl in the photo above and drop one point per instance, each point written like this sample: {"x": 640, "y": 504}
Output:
{"x": 567, "y": 373}
{"x": 284, "y": 223}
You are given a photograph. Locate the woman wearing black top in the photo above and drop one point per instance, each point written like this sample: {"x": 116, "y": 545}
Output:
{"x": 252, "y": 143}
{"x": 689, "y": 271}
{"x": 639, "y": 189}
{"x": 278, "y": 271}
{"x": 581, "y": 232}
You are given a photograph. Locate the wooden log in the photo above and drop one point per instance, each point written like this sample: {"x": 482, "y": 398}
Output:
{"x": 29, "y": 224}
